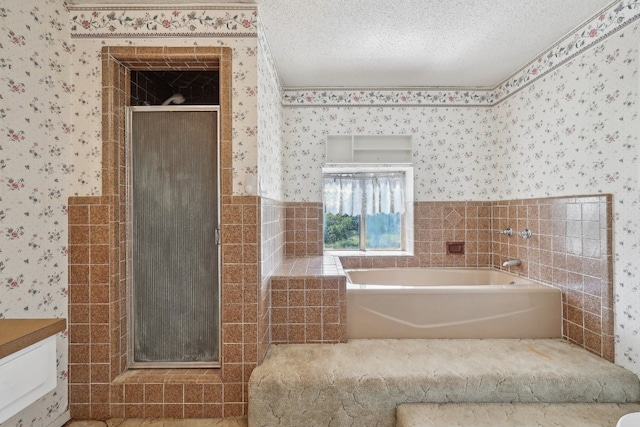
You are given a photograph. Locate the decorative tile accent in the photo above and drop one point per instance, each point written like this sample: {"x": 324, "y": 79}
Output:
{"x": 453, "y": 218}
{"x": 436, "y": 223}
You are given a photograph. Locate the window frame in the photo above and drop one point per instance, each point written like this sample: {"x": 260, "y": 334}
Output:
{"x": 406, "y": 216}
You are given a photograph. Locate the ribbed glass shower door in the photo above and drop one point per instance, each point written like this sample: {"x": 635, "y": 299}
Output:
{"x": 174, "y": 266}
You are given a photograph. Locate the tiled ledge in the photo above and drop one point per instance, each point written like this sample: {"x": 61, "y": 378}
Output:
{"x": 311, "y": 266}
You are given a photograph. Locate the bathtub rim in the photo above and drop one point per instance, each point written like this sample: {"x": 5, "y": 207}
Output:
{"x": 525, "y": 282}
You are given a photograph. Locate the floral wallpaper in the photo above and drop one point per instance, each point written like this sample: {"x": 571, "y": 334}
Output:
{"x": 93, "y": 28}
{"x": 270, "y": 157}
{"x": 455, "y": 143}
{"x": 35, "y": 168}
{"x": 621, "y": 14}
{"x": 50, "y": 117}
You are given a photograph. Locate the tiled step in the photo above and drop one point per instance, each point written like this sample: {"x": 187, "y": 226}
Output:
{"x": 361, "y": 383}
{"x": 512, "y": 414}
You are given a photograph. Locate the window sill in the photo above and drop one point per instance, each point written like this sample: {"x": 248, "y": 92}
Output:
{"x": 369, "y": 253}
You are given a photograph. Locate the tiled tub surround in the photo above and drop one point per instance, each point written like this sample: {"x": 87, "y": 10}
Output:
{"x": 570, "y": 249}
{"x": 435, "y": 223}
{"x": 309, "y": 301}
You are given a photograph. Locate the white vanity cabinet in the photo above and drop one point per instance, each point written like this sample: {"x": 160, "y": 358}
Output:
{"x": 369, "y": 149}
{"x": 27, "y": 362}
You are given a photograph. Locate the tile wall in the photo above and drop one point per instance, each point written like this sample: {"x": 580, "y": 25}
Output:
{"x": 94, "y": 306}
{"x": 309, "y": 301}
{"x": 272, "y": 235}
{"x": 570, "y": 248}
{"x": 436, "y": 222}
{"x": 241, "y": 298}
{"x": 272, "y": 242}
{"x": 303, "y": 221}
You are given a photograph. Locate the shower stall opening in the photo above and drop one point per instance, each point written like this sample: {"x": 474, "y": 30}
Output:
{"x": 174, "y": 267}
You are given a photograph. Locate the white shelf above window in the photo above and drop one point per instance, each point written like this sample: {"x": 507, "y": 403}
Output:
{"x": 369, "y": 149}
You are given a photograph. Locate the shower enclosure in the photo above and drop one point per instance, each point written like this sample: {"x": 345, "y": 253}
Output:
{"x": 174, "y": 300}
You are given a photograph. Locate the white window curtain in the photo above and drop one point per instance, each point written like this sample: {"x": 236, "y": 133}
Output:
{"x": 378, "y": 193}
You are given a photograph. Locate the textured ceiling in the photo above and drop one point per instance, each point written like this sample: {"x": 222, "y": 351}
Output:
{"x": 413, "y": 43}
{"x": 405, "y": 43}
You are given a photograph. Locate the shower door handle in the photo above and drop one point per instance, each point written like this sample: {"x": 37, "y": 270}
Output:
{"x": 217, "y": 236}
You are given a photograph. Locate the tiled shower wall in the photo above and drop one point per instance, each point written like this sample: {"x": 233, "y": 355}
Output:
{"x": 570, "y": 248}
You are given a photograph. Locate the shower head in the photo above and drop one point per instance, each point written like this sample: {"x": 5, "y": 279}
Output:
{"x": 176, "y": 99}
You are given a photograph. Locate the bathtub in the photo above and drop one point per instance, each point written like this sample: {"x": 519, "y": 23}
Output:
{"x": 449, "y": 303}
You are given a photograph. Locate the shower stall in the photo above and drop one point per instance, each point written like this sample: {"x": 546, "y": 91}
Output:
{"x": 173, "y": 217}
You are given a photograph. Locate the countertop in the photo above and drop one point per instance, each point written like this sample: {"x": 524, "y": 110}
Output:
{"x": 16, "y": 334}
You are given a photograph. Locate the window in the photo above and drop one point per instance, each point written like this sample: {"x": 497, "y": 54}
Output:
{"x": 364, "y": 210}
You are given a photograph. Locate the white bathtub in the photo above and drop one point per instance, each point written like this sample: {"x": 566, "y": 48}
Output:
{"x": 449, "y": 303}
